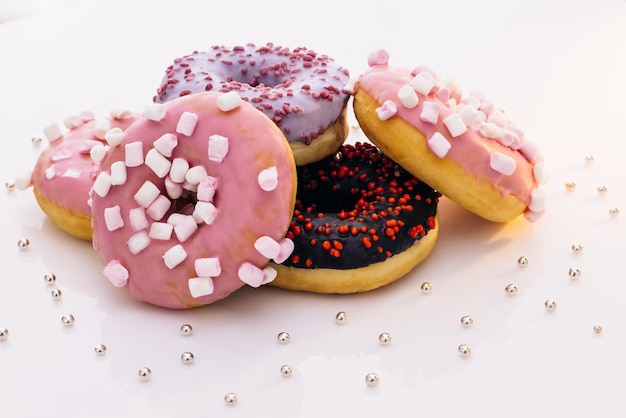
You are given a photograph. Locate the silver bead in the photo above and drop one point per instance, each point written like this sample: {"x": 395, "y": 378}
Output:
{"x": 23, "y": 243}
{"x": 144, "y": 373}
{"x": 49, "y": 278}
{"x": 597, "y": 329}
{"x": 577, "y": 247}
{"x": 9, "y": 185}
{"x": 467, "y": 321}
{"x": 100, "y": 349}
{"x": 56, "y": 294}
{"x": 465, "y": 350}
{"x": 67, "y": 320}
{"x": 590, "y": 158}
{"x": 186, "y": 329}
{"x": 614, "y": 211}
{"x": 341, "y": 317}
{"x": 372, "y": 379}
{"x": 426, "y": 287}
{"x": 231, "y": 398}
{"x": 522, "y": 262}
{"x": 36, "y": 140}
{"x": 286, "y": 370}
{"x": 511, "y": 289}
{"x": 187, "y": 357}
{"x": 284, "y": 337}
{"x": 4, "y": 333}
{"x": 550, "y": 304}
{"x": 384, "y": 338}
{"x": 571, "y": 185}
{"x": 338, "y": 156}
{"x": 574, "y": 273}
{"x": 602, "y": 189}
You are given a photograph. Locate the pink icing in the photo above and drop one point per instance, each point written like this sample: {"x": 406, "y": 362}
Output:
{"x": 67, "y": 181}
{"x": 211, "y": 251}
{"x": 300, "y": 90}
{"x": 436, "y": 119}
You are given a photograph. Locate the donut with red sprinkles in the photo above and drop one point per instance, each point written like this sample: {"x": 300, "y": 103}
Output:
{"x": 301, "y": 90}
{"x": 360, "y": 222}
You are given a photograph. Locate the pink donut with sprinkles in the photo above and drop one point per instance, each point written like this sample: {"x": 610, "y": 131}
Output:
{"x": 300, "y": 90}
{"x": 65, "y": 171}
{"x": 194, "y": 202}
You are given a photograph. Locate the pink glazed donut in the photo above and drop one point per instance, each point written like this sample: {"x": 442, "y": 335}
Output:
{"x": 301, "y": 90}
{"x": 194, "y": 202}
{"x": 65, "y": 171}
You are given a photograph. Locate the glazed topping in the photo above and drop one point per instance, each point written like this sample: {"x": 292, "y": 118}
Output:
{"x": 470, "y": 128}
{"x": 357, "y": 208}
{"x": 299, "y": 89}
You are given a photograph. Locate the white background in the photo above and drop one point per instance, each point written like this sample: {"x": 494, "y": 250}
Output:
{"x": 558, "y": 66}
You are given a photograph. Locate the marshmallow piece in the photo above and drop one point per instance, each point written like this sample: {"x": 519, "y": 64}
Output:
{"x": 408, "y": 97}
{"x": 52, "y": 132}
{"x": 133, "y": 154}
{"x": 118, "y": 173}
{"x": 286, "y": 248}
{"x": 173, "y": 190}
{"x": 87, "y": 116}
{"x": 63, "y": 154}
{"x": 200, "y": 286}
{"x": 113, "y": 218}
{"x": 540, "y": 173}
{"x": 179, "y": 169}
{"x": 158, "y": 208}
{"x": 488, "y": 106}
{"x": 97, "y": 152}
{"x": 187, "y": 123}
{"x": 120, "y": 113}
{"x": 533, "y": 216}
{"x": 146, "y": 194}
{"x": 267, "y": 247}
{"x": 387, "y": 110}
{"x": 250, "y": 274}
{"x": 71, "y": 173}
{"x": 50, "y": 173}
{"x": 502, "y": 163}
{"x": 423, "y": 83}
{"x": 378, "y": 57}
{"x": 190, "y": 187}
{"x": 229, "y": 101}
{"x": 206, "y": 189}
{"x": 165, "y": 144}
{"x": 268, "y": 179}
{"x": 490, "y": 130}
{"x": 161, "y": 231}
{"x": 218, "y": 147}
{"x": 424, "y": 69}
{"x": 176, "y": 218}
{"x": 174, "y": 256}
{"x": 430, "y": 112}
{"x": 23, "y": 181}
{"x": 537, "y": 200}
{"x": 101, "y": 127}
{"x": 137, "y": 219}
{"x": 470, "y": 114}
{"x": 443, "y": 94}
{"x": 350, "y": 85}
{"x": 269, "y": 274}
{"x": 138, "y": 242}
{"x": 439, "y": 145}
{"x": 86, "y": 145}
{"x": 116, "y": 273}
{"x": 205, "y": 212}
{"x": 498, "y": 119}
{"x": 73, "y": 121}
{"x": 530, "y": 151}
{"x": 114, "y": 136}
{"x": 184, "y": 229}
{"x": 455, "y": 125}
{"x": 208, "y": 267}
{"x": 195, "y": 175}
{"x": 454, "y": 88}
{"x": 471, "y": 101}
{"x": 102, "y": 185}
{"x": 155, "y": 111}
{"x": 158, "y": 163}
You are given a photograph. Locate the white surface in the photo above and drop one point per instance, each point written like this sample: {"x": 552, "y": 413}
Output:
{"x": 557, "y": 66}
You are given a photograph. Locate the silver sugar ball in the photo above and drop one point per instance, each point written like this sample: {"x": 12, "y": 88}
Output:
{"x": 100, "y": 349}
{"x": 426, "y": 287}
{"x": 186, "y": 329}
{"x": 4, "y": 334}
{"x": 144, "y": 373}
{"x": 187, "y": 357}
{"x": 286, "y": 370}
{"x": 597, "y": 329}
{"x": 590, "y": 158}
{"x": 23, "y": 243}
{"x": 550, "y": 304}
{"x": 9, "y": 185}
{"x": 338, "y": 156}
{"x": 284, "y": 337}
{"x": 49, "y": 278}
{"x": 36, "y": 140}
{"x": 341, "y": 317}
{"x": 614, "y": 211}
{"x": 56, "y": 294}
{"x": 384, "y": 338}
{"x": 67, "y": 320}
{"x": 372, "y": 379}
{"x": 522, "y": 261}
{"x": 577, "y": 247}
{"x": 570, "y": 185}
{"x": 602, "y": 189}
{"x": 465, "y": 350}
{"x": 574, "y": 273}
{"x": 467, "y": 321}
{"x": 231, "y": 398}
{"x": 511, "y": 289}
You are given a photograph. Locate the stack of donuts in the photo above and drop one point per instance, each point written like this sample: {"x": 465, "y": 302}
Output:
{"x": 239, "y": 173}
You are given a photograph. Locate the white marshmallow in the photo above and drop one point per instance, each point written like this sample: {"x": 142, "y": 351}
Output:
{"x": 133, "y": 154}
{"x": 422, "y": 83}
{"x": 174, "y": 256}
{"x": 408, "y": 97}
{"x": 116, "y": 273}
{"x": 113, "y": 218}
{"x": 537, "y": 200}
{"x": 200, "y": 286}
{"x": 161, "y": 231}
{"x": 187, "y": 123}
{"x": 146, "y": 194}
{"x": 267, "y": 247}
{"x": 173, "y": 190}
{"x": 97, "y": 152}
{"x": 250, "y": 274}
{"x": 439, "y": 145}
{"x": 195, "y": 175}
{"x": 138, "y": 242}
{"x": 229, "y": 101}
{"x": 102, "y": 185}
{"x": 430, "y": 112}
{"x": 158, "y": 163}
{"x": 502, "y": 163}
{"x": 52, "y": 132}
{"x": 455, "y": 125}
{"x": 155, "y": 111}
{"x": 101, "y": 127}
{"x": 205, "y": 212}
{"x": 208, "y": 267}
{"x": 118, "y": 173}
{"x": 218, "y": 147}
{"x": 165, "y": 144}
{"x": 540, "y": 173}
{"x": 268, "y": 179}
{"x": 114, "y": 136}
{"x": 179, "y": 169}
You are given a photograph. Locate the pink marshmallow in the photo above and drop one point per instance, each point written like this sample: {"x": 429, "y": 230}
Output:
{"x": 502, "y": 163}
{"x": 206, "y": 189}
{"x": 116, "y": 273}
{"x": 113, "y": 218}
{"x": 187, "y": 123}
{"x": 134, "y": 154}
{"x": 208, "y": 267}
{"x": 269, "y": 274}
{"x": 267, "y": 247}
{"x": 286, "y": 248}
{"x": 166, "y": 144}
{"x": 378, "y": 57}
{"x": 439, "y": 145}
{"x": 218, "y": 148}
{"x": 159, "y": 208}
{"x": 205, "y": 212}
{"x": 137, "y": 219}
{"x": 250, "y": 274}
{"x": 430, "y": 112}
{"x": 185, "y": 228}
{"x": 387, "y": 110}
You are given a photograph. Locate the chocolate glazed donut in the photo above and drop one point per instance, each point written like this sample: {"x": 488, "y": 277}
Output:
{"x": 356, "y": 213}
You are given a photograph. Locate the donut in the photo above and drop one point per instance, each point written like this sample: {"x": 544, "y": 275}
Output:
{"x": 65, "y": 171}
{"x": 463, "y": 146}
{"x": 360, "y": 222}
{"x": 194, "y": 201}
{"x": 300, "y": 90}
